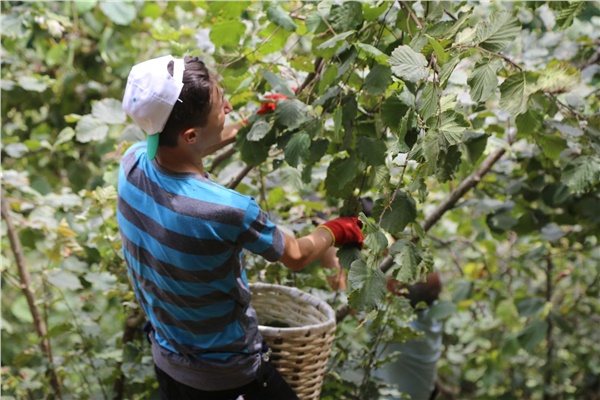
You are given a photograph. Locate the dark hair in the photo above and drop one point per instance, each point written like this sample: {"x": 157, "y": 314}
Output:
{"x": 196, "y": 97}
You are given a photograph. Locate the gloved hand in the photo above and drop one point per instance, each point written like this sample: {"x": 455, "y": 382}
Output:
{"x": 271, "y": 105}
{"x": 345, "y": 230}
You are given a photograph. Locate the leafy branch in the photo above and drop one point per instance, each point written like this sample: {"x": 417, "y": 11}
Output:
{"x": 449, "y": 202}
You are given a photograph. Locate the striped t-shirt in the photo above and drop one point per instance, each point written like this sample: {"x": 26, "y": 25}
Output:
{"x": 183, "y": 237}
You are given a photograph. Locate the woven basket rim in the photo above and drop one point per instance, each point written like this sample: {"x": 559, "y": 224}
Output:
{"x": 307, "y": 298}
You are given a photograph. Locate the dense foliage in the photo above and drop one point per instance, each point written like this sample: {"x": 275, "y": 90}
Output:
{"x": 474, "y": 128}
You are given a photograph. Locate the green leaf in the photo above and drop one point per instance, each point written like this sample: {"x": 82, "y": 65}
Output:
{"x": 228, "y": 9}
{"x": 227, "y": 33}
{"x": 162, "y": 31}
{"x": 513, "y": 94}
{"x": 347, "y": 255}
{"x": 552, "y": 145}
{"x": 340, "y": 173}
{"x": 378, "y": 80}
{"x": 441, "y": 310}
{"x": 297, "y": 148}
{"x": 409, "y": 65}
{"x": 392, "y": 111}
{"x": 318, "y": 148}
{"x": 291, "y": 113}
{"x": 368, "y": 286}
{"x": 20, "y": 310}
{"x": 371, "y": 150}
{"x": 507, "y": 312}
{"x": 84, "y": 6}
{"x": 407, "y": 257}
{"x": 558, "y": 77}
{"x": 280, "y": 17}
{"x": 440, "y": 54}
{"x": 463, "y": 290}
{"x": 498, "y": 32}
{"x": 278, "y": 84}
{"x": 466, "y": 37}
{"x": 314, "y": 22}
{"x": 501, "y": 221}
{"x": 258, "y": 130}
{"x": 109, "y": 111}
{"x": 375, "y": 239}
{"x": 530, "y": 306}
{"x": 102, "y": 281}
{"x": 532, "y": 335}
{"x": 349, "y": 113}
{"x": 448, "y": 68}
{"x": 119, "y": 12}
{"x": 376, "y": 242}
{"x": 452, "y": 126}
{"x": 337, "y": 124}
{"x": 555, "y": 194}
{"x": 277, "y": 38}
{"x": 379, "y": 56}
{"x": 347, "y": 16}
{"x": 581, "y": 174}
{"x": 562, "y": 323}
{"x": 429, "y": 103}
{"x": 372, "y": 11}
{"x": 16, "y": 150}
{"x": 483, "y": 80}
{"x": 32, "y": 84}
{"x": 59, "y": 329}
{"x": 398, "y": 214}
{"x": 475, "y": 143}
{"x": 567, "y": 15}
{"x": 448, "y": 162}
{"x": 90, "y": 129}
{"x": 334, "y": 41}
{"x": 64, "y": 280}
{"x": 253, "y": 152}
{"x": 529, "y": 122}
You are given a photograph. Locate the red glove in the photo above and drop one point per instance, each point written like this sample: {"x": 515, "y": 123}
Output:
{"x": 345, "y": 230}
{"x": 271, "y": 105}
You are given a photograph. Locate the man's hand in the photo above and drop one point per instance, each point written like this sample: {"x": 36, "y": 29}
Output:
{"x": 270, "y": 106}
{"x": 345, "y": 230}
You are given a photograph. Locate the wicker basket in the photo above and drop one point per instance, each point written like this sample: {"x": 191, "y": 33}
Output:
{"x": 299, "y": 351}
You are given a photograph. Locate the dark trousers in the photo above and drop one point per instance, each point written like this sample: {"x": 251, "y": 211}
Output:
{"x": 268, "y": 386}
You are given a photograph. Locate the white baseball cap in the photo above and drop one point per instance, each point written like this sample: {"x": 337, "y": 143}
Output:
{"x": 150, "y": 95}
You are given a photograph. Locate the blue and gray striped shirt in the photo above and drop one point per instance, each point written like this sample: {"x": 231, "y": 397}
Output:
{"x": 183, "y": 237}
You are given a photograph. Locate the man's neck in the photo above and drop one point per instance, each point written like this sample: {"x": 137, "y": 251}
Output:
{"x": 176, "y": 160}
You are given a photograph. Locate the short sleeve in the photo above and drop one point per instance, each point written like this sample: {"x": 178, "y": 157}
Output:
{"x": 260, "y": 235}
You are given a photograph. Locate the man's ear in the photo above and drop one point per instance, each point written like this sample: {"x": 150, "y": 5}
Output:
{"x": 189, "y": 136}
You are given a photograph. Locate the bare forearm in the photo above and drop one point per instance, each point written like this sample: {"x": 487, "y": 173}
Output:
{"x": 300, "y": 252}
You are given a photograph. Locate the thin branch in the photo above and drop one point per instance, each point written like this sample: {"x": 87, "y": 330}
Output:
{"x": 463, "y": 188}
{"x": 576, "y": 113}
{"x": 412, "y": 15}
{"x": 502, "y": 56}
{"x": 312, "y": 75}
{"x": 240, "y": 177}
{"x": 330, "y": 28}
{"x": 25, "y": 278}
